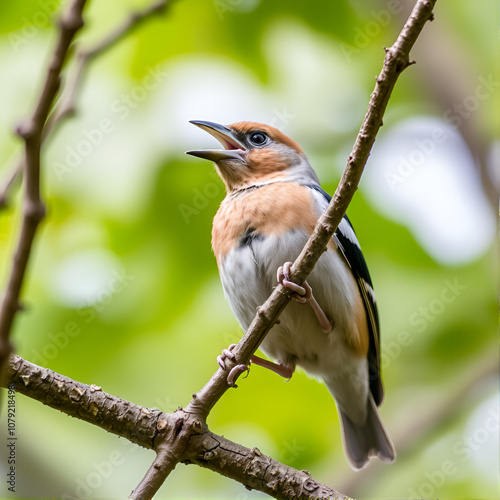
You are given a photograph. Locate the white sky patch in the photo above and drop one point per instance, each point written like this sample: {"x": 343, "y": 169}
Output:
{"x": 18, "y": 87}
{"x": 105, "y": 154}
{"x": 203, "y": 88}
{"x": 481, "y": 437}
{"x": 331, "y": 101}
{"x": 421, "y": 174}
{"x": 85, "y": 277}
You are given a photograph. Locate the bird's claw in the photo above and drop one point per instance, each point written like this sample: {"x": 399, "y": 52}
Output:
{"x": 301, "y": 293}
{"x": 236, "y": 370}
{"x": 226, "y": 353}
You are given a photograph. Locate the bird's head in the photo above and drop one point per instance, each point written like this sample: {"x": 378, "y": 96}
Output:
{"x": 253, "y": 154}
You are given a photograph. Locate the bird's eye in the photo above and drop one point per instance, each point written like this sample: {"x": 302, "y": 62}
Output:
{"x": 258, "y": 138}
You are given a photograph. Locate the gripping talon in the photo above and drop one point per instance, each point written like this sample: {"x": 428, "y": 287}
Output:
{"x": 279, "y": 274}
{"x": 300, "y": 300}
{"x": 303, "y": 294}
{"x": 286, "y": 269}
{"x": 226, "y": 353}
{"x": 284, "y": 279}
{"x": 294, "y": 287}
{"x": 220, "y": 360}
{"x": 235, "y": 372}
{"x": 307, "y": 291}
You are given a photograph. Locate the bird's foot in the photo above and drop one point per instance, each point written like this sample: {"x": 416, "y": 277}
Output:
{"x": 236, "y": 370}
{"x": 299, "y": 292}
{"x": 282, "y": 370}
{"x": 304, "y": 295}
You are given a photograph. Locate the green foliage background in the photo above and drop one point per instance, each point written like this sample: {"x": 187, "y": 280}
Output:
{"x": 152, "y": 336}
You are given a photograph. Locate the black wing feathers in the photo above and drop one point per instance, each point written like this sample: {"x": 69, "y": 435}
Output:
{"x": 348, "y": 245}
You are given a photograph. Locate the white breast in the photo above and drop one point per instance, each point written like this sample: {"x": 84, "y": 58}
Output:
{"x": 248, "y": 276}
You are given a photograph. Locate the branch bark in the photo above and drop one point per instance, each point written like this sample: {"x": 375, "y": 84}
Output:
{"x": 145, "y": 427}
{"x": 33, "y": 210}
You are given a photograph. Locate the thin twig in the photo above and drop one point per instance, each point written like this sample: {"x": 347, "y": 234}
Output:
{"x": 33, "y": 209}
{"x": 144, "y": 426}
{"x": 66, "y": 105}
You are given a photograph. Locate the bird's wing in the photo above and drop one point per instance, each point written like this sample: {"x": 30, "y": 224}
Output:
{"x": 347, "y": 242}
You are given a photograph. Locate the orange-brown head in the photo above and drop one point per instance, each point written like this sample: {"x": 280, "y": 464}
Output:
{"x": 254, "y": 154}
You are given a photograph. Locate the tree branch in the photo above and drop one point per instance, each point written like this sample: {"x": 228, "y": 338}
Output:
{"x": 66, "y": 105}
{"x": 397, "y": 59}
{"x": 33, "y": 210}
{"x": 144, "y": 426}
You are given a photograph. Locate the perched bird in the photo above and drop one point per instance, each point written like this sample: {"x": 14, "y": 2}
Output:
{"x": 273, "y": 202}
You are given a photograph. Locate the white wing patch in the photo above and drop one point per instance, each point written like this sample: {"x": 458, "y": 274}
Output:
{"x": 347, "y": 232}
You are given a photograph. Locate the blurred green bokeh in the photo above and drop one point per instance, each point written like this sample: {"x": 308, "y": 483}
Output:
{"x": 123, "y": 291}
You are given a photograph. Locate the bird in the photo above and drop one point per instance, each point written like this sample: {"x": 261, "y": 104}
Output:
{"x": 331, "y": 330}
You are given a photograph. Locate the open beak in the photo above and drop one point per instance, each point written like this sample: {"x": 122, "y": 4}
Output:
{"x": 233, "y": 148}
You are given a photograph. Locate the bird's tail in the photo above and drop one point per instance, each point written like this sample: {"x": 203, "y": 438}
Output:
{"x": 367, "y": 440}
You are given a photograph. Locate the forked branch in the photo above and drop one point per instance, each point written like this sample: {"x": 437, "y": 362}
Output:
{"x": 149, "y": 427}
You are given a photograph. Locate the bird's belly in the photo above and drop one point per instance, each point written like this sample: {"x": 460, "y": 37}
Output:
{"x": 298, "y": 340}
{"x": 248, "y": 275}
